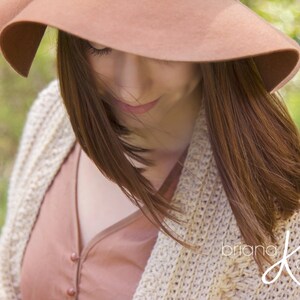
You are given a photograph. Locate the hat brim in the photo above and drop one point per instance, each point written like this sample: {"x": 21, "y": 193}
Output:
{"x": 171, "y": 30}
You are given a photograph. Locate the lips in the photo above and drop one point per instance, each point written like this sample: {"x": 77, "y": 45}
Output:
{"x": 139, "y": 109}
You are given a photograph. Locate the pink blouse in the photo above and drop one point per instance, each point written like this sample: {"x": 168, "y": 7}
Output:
{"x": 111, "y": 264}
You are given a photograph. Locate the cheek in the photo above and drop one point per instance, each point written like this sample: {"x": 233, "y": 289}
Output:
{"x": 103, "y": 67}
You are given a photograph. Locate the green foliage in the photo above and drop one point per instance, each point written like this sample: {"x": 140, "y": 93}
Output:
{"x": 283, "y": 14}
{"x": 16, "y": 96}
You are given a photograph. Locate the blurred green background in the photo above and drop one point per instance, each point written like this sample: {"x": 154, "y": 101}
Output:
{"x": 17, "y": 93}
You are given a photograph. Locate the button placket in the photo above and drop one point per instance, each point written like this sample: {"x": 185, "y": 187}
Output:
{"x": 74, "y": 257}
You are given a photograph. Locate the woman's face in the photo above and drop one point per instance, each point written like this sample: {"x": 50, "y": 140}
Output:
{"x": 146, "y": 89}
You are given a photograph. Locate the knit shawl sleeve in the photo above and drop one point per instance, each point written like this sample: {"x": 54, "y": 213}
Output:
{"x": 46, "y": 139}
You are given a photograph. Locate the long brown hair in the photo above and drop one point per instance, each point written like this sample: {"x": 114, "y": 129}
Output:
{"x": 255, "y": 143}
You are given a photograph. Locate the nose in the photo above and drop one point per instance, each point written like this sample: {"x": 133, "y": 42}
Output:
{"x": 131, "y": 78}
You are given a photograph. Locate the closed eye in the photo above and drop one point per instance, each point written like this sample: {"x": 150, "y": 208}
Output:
{"x": 98, "y": 52}
{"x": 107, "y": 50}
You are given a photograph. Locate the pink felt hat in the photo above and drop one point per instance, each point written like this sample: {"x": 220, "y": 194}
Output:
{"x": 190, "y": 30}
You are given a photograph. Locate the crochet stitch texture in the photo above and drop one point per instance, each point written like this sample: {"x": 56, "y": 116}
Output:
{"x": 172, "y": 271}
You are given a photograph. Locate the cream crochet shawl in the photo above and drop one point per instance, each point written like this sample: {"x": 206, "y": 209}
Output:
{"x": 172, "y": 272}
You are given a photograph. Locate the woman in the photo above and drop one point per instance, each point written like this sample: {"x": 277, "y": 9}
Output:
{"x": 158, "y": 156}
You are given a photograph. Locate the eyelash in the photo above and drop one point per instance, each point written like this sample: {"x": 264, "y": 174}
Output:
{"x": 98, "y": 52}
{"x": 106, "y": 51}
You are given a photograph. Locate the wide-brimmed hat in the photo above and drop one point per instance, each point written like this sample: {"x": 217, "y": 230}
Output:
{"x": 174, "y": 30}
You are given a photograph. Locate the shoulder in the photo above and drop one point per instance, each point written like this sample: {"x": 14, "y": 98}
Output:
{"x": 47, "y": 129}
{"x": 48, "y": 99}
{"x": 47, "y": 102}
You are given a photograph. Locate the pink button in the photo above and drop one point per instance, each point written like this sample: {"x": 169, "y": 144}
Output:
{"x": 74, "y": 256}
{"x": 71, "y": 291}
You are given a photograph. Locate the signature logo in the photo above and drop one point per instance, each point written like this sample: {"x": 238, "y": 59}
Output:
{"x": 283, "y": 263}
{"x": 247, "y": 250}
